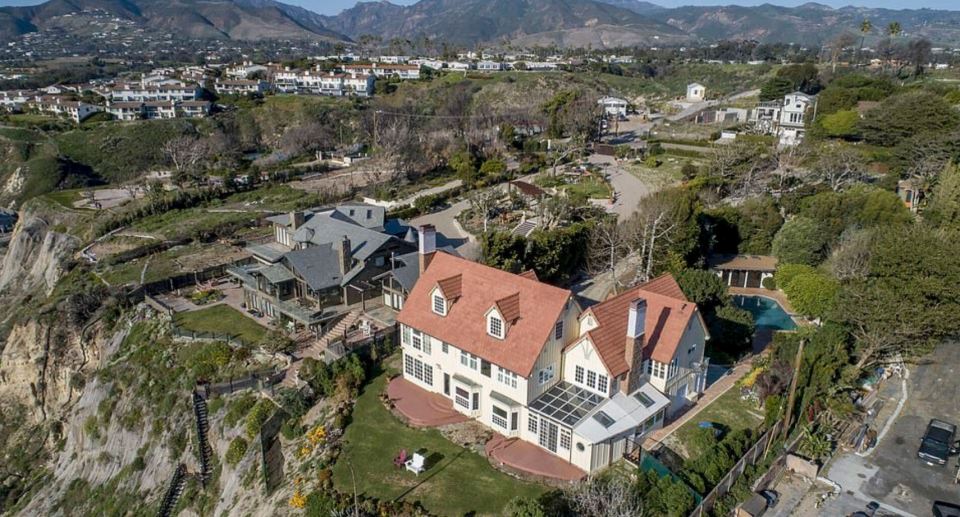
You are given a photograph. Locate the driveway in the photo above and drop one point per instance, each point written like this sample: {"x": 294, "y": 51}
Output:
{"x": 892, "y": 474}
{"x": 628, "y": 189}
{"x": 449, "y": 231}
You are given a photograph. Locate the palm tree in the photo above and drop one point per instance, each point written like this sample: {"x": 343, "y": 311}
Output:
{"x": 865, "y": 28}
{"x": 894, "y": 29}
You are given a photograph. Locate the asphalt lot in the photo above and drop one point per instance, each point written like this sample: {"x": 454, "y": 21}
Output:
{"x": 892, "y": 474}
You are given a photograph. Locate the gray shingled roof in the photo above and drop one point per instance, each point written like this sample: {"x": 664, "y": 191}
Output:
{"x": 276, "y": 274}
{"x": 323, "y": 229}
{"x": 318, "y": 266}
{"x": 367, "y": 216}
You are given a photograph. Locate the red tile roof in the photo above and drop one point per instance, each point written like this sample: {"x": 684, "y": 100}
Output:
{"x": 537, "y": 307}
{"x": 451, "y": 287}
{"x": 668, "y": 314}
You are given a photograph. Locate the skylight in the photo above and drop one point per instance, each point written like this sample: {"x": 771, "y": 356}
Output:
{"x": 603, "y": 418}
{"x": 644, "y": 399}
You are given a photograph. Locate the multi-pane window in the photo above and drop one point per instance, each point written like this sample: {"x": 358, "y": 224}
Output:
{"x": 545, "y": 375}
{"x": 462, "y": 398}
{"x": 659, "y": 369}
{"x": 602, "y": 383}
{"x": 469, "y": 360}
{"x": 445, "y": 348}
{"x": 674, "y": 368}
{"x": 565, "y": 439}
{"x": 592, "y": 379}
{"x": 406, "y": 334}
{"x": 418, "y": 370}
{"x": 578, "y": 374}
{"x": 484, "y": 367}
{"x": 439, "y": 305}
{"x": 507, "y": 377}
{"x": 420, "y": 341}
{"x": 499, "y": 417}
{"x": 532, "y": 422}
{"x": 495, "y": 327}
{"x": 558, "y": 330}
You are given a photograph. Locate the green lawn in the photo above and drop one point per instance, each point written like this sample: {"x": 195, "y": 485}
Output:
{"x": 222, "y": 319}
{"x": 461, "y": 482}
{"x": 728, "y": 410}
{"x": 590, "y": 188}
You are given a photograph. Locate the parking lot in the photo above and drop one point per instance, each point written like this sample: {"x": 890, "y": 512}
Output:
{"x": 892, "y": 474}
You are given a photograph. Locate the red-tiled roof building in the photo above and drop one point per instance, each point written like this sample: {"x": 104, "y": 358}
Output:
{"x": 521, "y": 357}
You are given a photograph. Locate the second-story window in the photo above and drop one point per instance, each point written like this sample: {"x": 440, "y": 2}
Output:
{"x": 602, "y": 383}
{"x": 578, "y": 374}
{"x": 558, "y": 330}
{"x": 439, "y": 305}
{"x": 507, "y": 377}
{"x": 495, "y": 327}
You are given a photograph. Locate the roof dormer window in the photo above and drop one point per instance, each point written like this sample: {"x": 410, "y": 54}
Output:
{"x": 439, "y": 304}
{"x": 495, "y": 326}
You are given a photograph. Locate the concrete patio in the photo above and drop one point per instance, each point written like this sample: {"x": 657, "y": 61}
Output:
{"x": 529, "y": 459}
{"x": 420, "y": 407}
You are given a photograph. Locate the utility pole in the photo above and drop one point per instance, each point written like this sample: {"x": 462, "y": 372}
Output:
{"x": 375, "y": 142}
{"x": 793, "y": 388}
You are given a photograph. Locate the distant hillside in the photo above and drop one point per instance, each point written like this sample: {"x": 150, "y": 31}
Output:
{"x": 249, "y": 20}
{"x": 466, "y": 22}
{"x": 809, "y": 24}
{"x": 627, "y": 22}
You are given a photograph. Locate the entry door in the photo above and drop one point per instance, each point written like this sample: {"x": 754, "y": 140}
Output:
{"x": 548, "y": 435}
{"x": 446, "y": 384}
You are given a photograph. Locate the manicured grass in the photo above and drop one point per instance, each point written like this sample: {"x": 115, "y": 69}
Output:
{"x": 727, "y": 410}
{"x": 590, "y": 188}
{"x": 222, "y": 319}
{"x": 461, "y": 482}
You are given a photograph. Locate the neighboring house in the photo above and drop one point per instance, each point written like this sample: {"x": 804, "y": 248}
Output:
{"x": 490, "y": 66}
{"x": 159, "y": 110}
{"x": 696, "y": 92}
{"x": 325, "y": 83}
{"x": 241, "y": 87}
{"x": 125, "y": 110}
{"x": 520, "y": 357}
{"x": 383, "y": 70}
{"x": 743, "y": 270}
{"x": 162, "y": 92}
{"x": 614, "y": 106}
{"x": 321, "y": 263}
{"x": 786, "y": 119}
{"x": 245, "y": 70}
{"x": 911, "y": 193}
{"x": 193, "y": 109}
{"x": 73, "y": 110}
{"x": 793, "y": 118}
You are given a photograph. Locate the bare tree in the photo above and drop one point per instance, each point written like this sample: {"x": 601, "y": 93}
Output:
{"x": 836, "y": 48}
{"x": 839, "y": 166}
{"x": 483, "y": 202}
{"x": 787, "y": 162}
{"x": 850, "y": 258}
{"x": 607, "y": 248}
{"x": 613, "y": 497}
{"x": 650, "y": 230}
{"x": 553, "y": 211}
{"x": 185, "y": 154}
{"x": 735, "y": 166}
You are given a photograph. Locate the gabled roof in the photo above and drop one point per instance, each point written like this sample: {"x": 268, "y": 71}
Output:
{"x": 509, "y": 307}
{"x": 539, "y": 306}
{"x": 668, "y": 313}
{"x": 318, "y": 266}
{"x": 451, "y": 287}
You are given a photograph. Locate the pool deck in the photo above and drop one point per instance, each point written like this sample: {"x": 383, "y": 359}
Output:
{"x": 777, "y": 296}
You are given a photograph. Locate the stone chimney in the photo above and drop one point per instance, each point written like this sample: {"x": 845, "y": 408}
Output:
{"x": 428, "y": 245}
{"x": 296, "y": 220}
{"x": 633, "y": 351}
{"x": 345, "y": 254}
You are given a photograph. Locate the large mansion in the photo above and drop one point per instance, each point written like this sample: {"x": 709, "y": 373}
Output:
{"x": 523, "y": 358}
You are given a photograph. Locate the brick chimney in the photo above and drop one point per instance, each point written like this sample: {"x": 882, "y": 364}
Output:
{"x": 428, "y": 245}
{"x": 633, "y": 351}
{"x": 345, "y": 254}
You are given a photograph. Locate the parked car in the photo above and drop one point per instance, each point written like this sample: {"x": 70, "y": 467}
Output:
{"x": 937, "y": 443}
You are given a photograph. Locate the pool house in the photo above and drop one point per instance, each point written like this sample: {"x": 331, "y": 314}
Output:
{"x": 747, "y": 271}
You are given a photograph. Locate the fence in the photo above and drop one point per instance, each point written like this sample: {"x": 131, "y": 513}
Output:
{"x": 157, "y": 304}
{"x": 232, "y": 340}
{"x": 259, "y": 380}
{"x": 342, "y": 346}
{"x": 750, "y": 458}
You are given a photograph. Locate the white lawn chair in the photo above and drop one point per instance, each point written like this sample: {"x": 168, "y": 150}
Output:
{"x": 416, "y": 464}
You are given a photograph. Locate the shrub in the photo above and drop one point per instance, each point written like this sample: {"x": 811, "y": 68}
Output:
{"x": 238, "y": 408}
{"x": 257, "y": 416}
{"x": 769, "y": 283}
{"x": 812, "y": 293}
{"x": 787, "y": 272}
{"x": 236, "y": 450}
{"x": 800, "y": 241}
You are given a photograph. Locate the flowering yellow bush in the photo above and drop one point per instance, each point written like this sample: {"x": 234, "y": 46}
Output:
{"x": 298, "y": 500}
{"x": 317, "y": 435}
{"x": 306, "y": 449}
{"x": 750, "y": 379}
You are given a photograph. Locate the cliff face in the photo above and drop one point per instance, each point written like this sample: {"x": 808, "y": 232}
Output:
{"x": 35, "y": 257}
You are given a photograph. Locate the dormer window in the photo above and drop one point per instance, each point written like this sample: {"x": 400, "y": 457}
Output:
{"x": 439, "y": 304}
{"x": 495, "y": 326}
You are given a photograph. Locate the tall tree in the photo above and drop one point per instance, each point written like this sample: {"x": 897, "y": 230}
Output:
{"x": 865, "y": 28}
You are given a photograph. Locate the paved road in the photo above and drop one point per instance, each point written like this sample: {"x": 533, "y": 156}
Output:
{"x": 449, "y": 231}
{"x": 628, "y": 189}
{"x": 892, "y": 474}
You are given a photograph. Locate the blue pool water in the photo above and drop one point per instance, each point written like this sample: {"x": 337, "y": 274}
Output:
{"x": 767, "y": 313}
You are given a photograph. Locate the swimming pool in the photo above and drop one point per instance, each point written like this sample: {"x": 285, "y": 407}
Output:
{"x": 767, "y": 313}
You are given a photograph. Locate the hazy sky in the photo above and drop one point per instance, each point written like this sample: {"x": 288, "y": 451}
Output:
{"x": 335, "y": 6}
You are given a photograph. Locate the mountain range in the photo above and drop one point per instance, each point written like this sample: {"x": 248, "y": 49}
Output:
{"x": 570, "y": 23}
